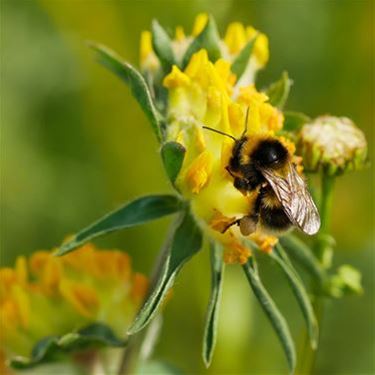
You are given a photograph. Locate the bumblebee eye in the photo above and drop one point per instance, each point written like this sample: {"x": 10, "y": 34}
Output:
{"x": 269, "y": 153}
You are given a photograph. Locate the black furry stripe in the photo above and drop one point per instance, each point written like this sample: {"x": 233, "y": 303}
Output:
{"x": 274, "y": 218}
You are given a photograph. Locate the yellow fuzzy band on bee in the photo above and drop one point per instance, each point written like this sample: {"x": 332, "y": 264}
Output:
{"x": 270, "y": 200}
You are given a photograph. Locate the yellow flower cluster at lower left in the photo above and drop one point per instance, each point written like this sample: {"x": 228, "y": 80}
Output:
{"x": 46, "y": 295}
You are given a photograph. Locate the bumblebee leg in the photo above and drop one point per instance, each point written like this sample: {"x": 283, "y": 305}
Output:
{"x": 248, "y": 225}
{"x": 235, "y": 222}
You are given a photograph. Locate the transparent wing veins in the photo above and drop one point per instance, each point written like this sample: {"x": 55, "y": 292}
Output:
{"x": 292, "y": 193}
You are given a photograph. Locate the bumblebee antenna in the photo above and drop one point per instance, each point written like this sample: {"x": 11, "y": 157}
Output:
{"x": 219, "y": 132}
{"x": 246, "y": 119}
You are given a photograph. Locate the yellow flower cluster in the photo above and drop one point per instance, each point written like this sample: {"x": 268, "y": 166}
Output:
{"x": 46, "y": 295}
{"x": 207, "y": 94}
{"x": 234, "y": 41}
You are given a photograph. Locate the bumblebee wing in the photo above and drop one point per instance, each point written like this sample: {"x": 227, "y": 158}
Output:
{"x": 292, "y": 193}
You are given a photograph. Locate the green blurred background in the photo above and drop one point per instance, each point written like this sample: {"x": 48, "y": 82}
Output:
{"x": 74, "y": 144}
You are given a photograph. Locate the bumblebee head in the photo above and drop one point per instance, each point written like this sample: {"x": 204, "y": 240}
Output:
{"x": 270, "y": 153}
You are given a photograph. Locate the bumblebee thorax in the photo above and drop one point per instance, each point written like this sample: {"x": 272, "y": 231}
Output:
{"x": 269, "y": 153}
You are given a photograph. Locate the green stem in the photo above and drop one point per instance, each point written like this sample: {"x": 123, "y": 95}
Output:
{"x": 326, "y": 201}
{"x": 323, "y": 251}
{"x": 323, "y": 246}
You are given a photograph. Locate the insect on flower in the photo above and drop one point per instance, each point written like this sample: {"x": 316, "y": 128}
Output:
{"x": 240, "y": 191}
{"x": 263, "y": 164}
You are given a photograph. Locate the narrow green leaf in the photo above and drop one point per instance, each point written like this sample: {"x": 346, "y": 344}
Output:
{"x": 242, "y": 60}
{"x": 274, "y": 315}
{"x": 52, "y": 348}
{"x": 173, "y": 154}
{"x": 137, "y": 212}
{"x": 217, "y": 270}
{"x": 134, "y": 80}
{"x": 301, "y": 252}
{"x": 300, "y": 293}
{"x": 293, "y": 121}
{"x": 278, "y": 91}
{"x": 151, "y": 306}
{"x": 208, "y": 39}
{"x": 186, "y": 242}
{"x": 162, "y": 45}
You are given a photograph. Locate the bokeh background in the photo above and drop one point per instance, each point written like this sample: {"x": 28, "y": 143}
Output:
{"x": 74, "y": 144}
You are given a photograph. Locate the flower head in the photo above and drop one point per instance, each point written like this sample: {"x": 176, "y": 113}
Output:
{"x": 235, "y": 40}
{"x": 207, "y": 94}
{"x": 332, "y": 143}
{"x": 45, "y": 295}
{"x": 229, "y": 151}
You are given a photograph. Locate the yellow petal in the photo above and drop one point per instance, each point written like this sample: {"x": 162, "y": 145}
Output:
{"x": 221, "y": 223}
{"x": 197, "y": 66}
{"x": 179, "y": 34}
{"x": 261, "y": 50}
{"x": 145, "y": 46}
{"x": 236, "y": 118}
{"x": 199, "y": 24}
{"x": 175, "y": 78}
{"x": 265, "y": 242}
{"x": 250, "y": 32}
{"x": 236, "y": 253}
{"x": 235, "y": 37}
{"x": 199, "y": 172}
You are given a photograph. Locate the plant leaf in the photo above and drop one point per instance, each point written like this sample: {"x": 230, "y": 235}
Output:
{"x": 274, "y": 315}
{"x": 240, "y": 63}
{"x": 217, "y": 270}
{"x": 301, "y": 252}
{"x": 162, "y": 45}
{"x": 186, "y": 241}
{"x": 137, "y": 212}
{"x": 293, "y": 121}
{"x": 52, "y": 348}
{"x": 300, "y": 293}
{"x": 278, "y": 91}
{"x": 173, "y": 154}
{"x": 347, "y": 280}
{"x": 134, "y": 80}
{"x": 208, "y": 39}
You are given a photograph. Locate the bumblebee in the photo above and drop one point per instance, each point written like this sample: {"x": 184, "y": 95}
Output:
{"x": 263, "y": 165}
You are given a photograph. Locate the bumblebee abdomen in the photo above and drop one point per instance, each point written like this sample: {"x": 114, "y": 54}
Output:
{"x": 274, "y": 218}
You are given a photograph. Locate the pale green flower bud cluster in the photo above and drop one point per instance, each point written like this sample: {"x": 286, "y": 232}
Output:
{"x": 335, "y": 144}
